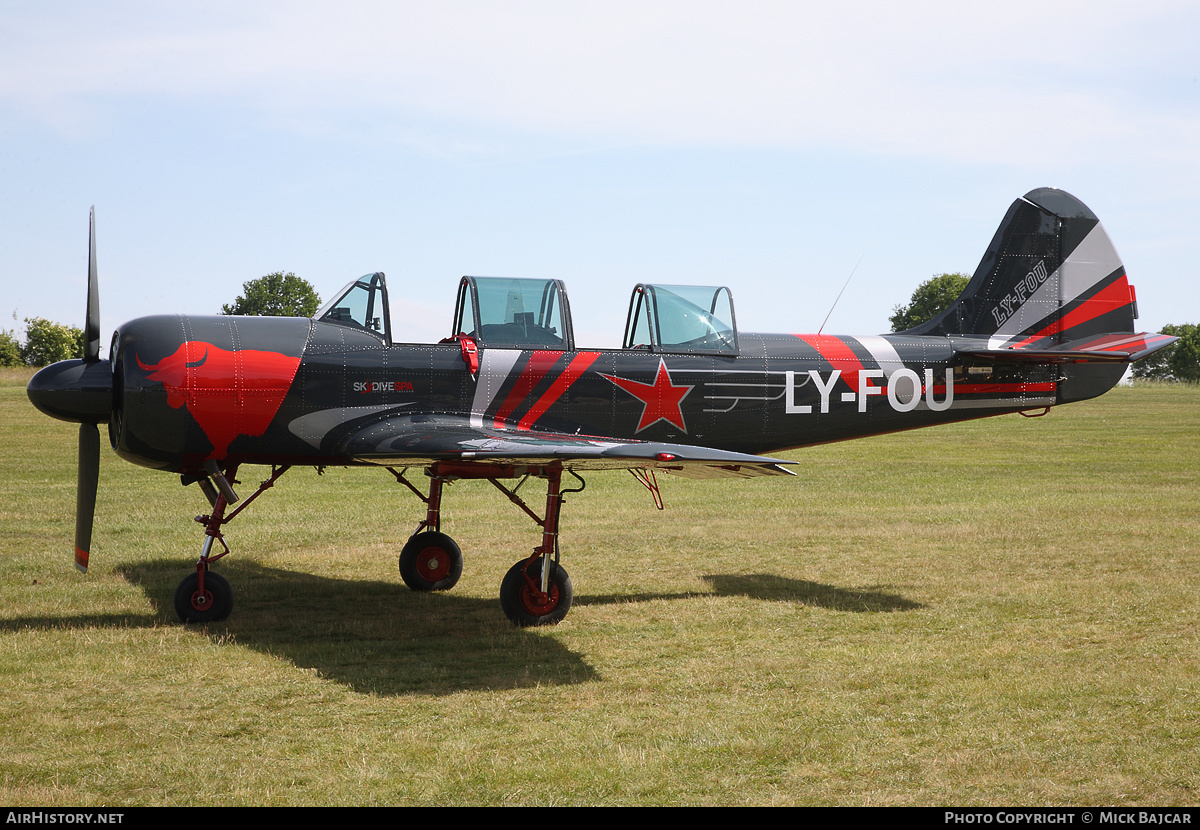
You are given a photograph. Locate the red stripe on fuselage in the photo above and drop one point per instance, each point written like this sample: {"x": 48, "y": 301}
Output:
{"x": 539, "y": 363}
{"x": 839, "y": 355}
{"x": 578, "y": 365}
{"x": 1000, "y": 388}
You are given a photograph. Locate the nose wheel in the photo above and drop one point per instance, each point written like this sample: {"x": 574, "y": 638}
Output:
{"x": 211, "y": 602}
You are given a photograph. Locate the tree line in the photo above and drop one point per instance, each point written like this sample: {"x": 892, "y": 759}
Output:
{"x": 275, "y": 295}
{"x": 1177, "y": 362}
{"x": 45, "y": 342}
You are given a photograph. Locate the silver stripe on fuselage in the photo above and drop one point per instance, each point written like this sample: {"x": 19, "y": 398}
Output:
{"x": 314, "y": 426}
{"x": 885, "y": 354}
{"x": 495, "y": 365}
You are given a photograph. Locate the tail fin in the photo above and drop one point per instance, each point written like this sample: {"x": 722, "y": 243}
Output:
{"x": 1050, "y": 276}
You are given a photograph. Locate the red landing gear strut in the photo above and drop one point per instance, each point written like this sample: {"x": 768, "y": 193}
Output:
{"x": 206, "y": 596}
{"x": 536, "y": 590}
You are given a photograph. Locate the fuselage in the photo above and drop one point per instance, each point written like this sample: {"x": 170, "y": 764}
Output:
{"x": 294, "y": 391}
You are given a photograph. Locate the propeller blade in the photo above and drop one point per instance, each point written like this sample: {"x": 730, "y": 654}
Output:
{"x": 85, "y": 497}
{"x": 91, "y": 331}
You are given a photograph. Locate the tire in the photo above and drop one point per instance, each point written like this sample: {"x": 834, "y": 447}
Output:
{"x": 213, "y": 606}
{"x": 521, "y": 602}
{"x": 431, "y": 561}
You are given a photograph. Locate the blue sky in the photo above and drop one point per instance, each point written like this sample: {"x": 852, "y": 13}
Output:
{"x": 767, "y": 146}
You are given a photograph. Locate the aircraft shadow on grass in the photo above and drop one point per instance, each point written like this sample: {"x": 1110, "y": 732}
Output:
{"x": 804, "y": 592}
{"x": 376, "y": 637}
{"x": 373, "y": 636}
{"x": 770, "y": 588}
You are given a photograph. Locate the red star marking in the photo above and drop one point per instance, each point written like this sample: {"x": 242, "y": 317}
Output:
{"x": 662, "y": 398}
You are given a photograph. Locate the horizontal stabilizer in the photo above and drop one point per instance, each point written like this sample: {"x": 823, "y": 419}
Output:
{"x": 1104, "y": 348}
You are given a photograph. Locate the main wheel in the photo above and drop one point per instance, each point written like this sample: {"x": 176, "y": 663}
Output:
{"x": 522, "y": 599}
{"x": 213, "y": 605}
{"x": 431, "y": 562}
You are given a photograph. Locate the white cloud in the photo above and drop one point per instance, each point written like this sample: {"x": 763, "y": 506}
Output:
{"x": 926, "y": 78}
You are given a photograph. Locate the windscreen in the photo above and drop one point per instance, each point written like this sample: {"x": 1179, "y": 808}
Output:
{"x": 694, "y": 318}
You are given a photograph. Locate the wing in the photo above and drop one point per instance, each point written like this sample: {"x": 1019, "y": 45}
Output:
{"x": 393, "y": 439}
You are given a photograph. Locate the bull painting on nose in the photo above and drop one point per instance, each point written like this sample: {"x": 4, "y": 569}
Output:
{"x": 227, "y": 393}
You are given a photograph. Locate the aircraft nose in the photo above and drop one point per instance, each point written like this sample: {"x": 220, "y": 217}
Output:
{"x": 74, "y": 390}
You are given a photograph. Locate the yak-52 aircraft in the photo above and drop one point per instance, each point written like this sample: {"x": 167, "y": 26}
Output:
{"x": 1047, "y": 319}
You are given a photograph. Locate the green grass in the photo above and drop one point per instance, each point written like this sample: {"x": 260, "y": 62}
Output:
{"x": 997, "y": 612}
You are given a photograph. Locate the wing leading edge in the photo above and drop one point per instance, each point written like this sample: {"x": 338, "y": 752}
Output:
{"x": 402, "y": 439}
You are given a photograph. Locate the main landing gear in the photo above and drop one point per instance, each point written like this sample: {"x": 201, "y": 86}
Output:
{"x": 536, "y": 590}
{"x": 527, "y": 599}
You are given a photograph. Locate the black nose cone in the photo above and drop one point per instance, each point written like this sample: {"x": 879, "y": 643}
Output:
{"x": 74, "y": 390}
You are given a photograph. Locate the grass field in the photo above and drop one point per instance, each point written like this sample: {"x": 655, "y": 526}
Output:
{"x": 1001, "y": 612}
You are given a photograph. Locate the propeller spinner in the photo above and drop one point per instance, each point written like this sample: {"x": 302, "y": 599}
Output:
{"x": 81, "y": 391}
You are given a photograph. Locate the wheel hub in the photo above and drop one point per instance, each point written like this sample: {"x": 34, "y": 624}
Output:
{"x": 432, "y": 565}
{"x": 537, "y": 603}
